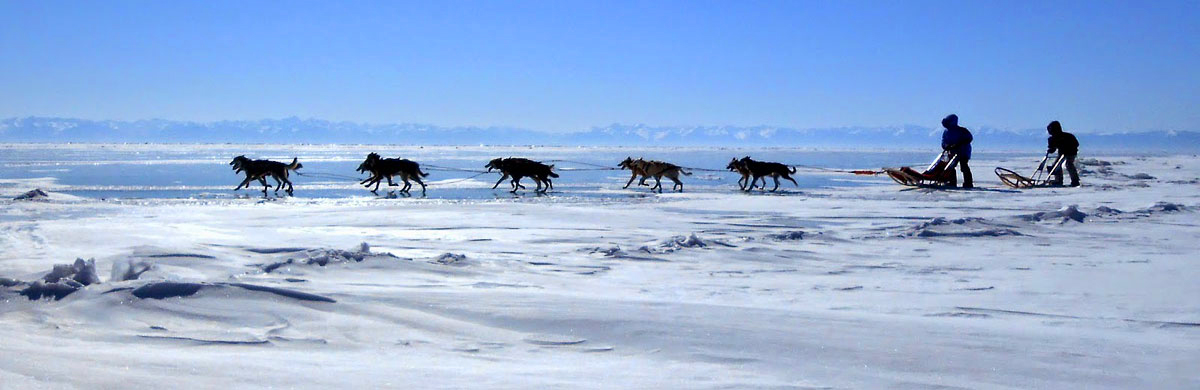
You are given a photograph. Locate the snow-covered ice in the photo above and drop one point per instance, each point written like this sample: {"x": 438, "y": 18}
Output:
{"x": 868, "y": 285}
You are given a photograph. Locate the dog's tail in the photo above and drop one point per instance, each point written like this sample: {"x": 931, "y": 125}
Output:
{"x": 791, "y": 169}
{"x": 552, "y": 174}
{"x": 423, "y": 174}
{"x": 295, "y": 164}
{"x": 685, "y": 173}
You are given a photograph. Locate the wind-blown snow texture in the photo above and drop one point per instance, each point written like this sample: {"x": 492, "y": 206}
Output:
{"x": 871, "y": 287}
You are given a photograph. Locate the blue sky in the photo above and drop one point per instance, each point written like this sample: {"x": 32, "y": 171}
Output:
{"x": 570, "y": 65}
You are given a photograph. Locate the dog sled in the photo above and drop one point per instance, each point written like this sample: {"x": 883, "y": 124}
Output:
{"x": 936, "y": 175}
{"x": 1043, "y": 176}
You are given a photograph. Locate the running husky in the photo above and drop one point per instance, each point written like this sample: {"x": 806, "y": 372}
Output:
{"x": 260, "y": 169}
{"x": 381, "y": 168}
{"x": 518, "y": 168}
{"x": 635, "y": 170}
{"x": 737, "y": 166}
{"x": 760, "y": 170}
{"x": 654, "y": 168}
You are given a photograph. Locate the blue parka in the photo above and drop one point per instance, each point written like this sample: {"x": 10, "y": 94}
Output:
{"x": 955, "y": 138}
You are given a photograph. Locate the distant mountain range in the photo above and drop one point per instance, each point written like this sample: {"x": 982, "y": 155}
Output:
{"x": 314, "y": 131}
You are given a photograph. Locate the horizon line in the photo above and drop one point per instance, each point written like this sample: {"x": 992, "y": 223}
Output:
{"x": 592, "y": 128}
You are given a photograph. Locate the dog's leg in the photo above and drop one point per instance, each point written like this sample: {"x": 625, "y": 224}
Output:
{"x": 263, "y": 181}
{"x": 505, "y": 176}
{"x": 776, "y": 178}
{"x": 374, "y": 180}
{"x": 422, "y": 183}
{"x": 793, "y": 180}
{"x": 245, "y": 183}
{"x": 634, "y": 176}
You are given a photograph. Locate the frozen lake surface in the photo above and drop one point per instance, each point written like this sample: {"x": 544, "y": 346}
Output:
{"x": 202, "y": 171}
{"x": 848, "y": 282}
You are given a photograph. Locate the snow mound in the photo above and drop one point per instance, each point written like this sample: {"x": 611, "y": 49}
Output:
{"x": 35, "y": 194}
{"x": 788, "y": 236}
{"x": 675, "y": 243}
{"x": 960, "y": 227}
{"x": 614, "y": 251}
{"x": 680, "y": 242}
{"x": 943, "y": 221}
{"x": 325, "y": 257}
{"x": 1141, "y": 176}
{"x": 61, "y": 281}
{"x": 82, "y": 272}
{"x": 450, "y": 259}
{"x": 1063, "y": 215}
{"x": 57, "y": 290}
{"x": 1166, "y": 207}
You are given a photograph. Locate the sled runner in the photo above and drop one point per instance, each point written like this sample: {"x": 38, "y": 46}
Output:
{"x": 936, "y": 175}
{"x": 1041, "y": 177}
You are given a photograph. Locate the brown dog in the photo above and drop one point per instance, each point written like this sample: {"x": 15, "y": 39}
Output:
{"x": 656, "y": 169}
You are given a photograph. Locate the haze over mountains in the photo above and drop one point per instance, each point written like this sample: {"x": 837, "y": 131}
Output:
{"x": 296, "y": 131}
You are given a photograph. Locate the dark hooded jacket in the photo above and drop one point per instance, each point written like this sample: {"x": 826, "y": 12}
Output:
{"x": 1064, "y": 142}
{"x": 955, "y": 138}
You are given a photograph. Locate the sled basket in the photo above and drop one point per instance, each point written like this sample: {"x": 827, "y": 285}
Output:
{"x": 1041, "y": 177}
{"x": 936, "y": 174}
